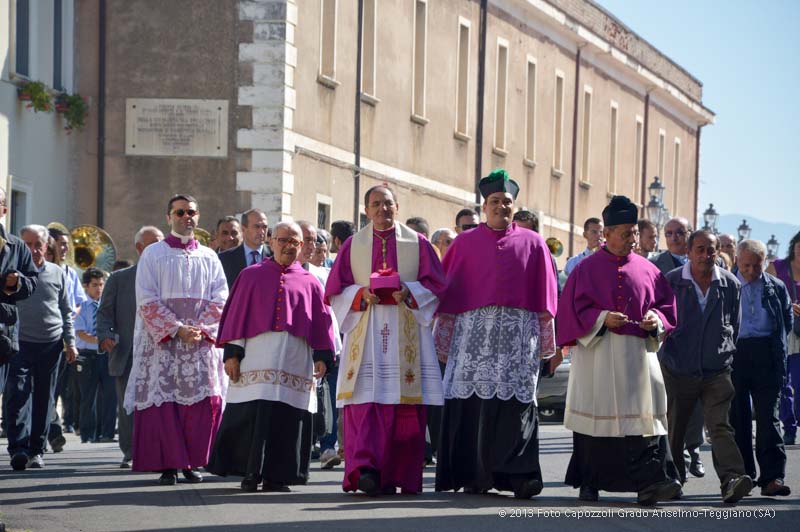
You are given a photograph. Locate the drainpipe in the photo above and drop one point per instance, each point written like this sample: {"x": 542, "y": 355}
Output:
{"x": 697, "y": 174}
{"x": 101, "y": 112}
{"x": 646, "y": 135}
{"x": 481, "y": 91}
{"x": 574, "y": 180}
{"x": 357, "y": 120}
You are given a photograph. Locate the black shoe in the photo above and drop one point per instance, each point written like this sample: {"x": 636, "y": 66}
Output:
{"x": 660, "y": 491}
{"x": 788, "y": 439}
{"x": 250, "y": 483}
{"x": 368, "y": 483}
{"x": 19, "y": 461}
{"x": 736, "y": 488}
{"x": 588, "y": 494}
{"x": 169, "y": 477}
{"x": 192, "y": 476}
{"x": 275, "y": 487}
{"x": 697, "y": 468}
{"x": 57, "y": 443}
{"x": 528, "y": 489}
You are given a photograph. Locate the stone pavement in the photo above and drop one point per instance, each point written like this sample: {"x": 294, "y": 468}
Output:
{"x": 83, "y": 489}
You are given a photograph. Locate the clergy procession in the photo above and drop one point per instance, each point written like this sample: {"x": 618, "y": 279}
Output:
{"x": 252, "y": 358}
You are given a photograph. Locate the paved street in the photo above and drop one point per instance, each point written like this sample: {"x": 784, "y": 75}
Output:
{"x": 82, "y": 489}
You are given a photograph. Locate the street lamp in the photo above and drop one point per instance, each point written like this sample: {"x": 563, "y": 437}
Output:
{"x": 744, "y": 231}
{"x": 654, "y": 211}
{"x": 710, "y": 218}
{"x": 656, "y": 190}
{"x": 772, "y": 248}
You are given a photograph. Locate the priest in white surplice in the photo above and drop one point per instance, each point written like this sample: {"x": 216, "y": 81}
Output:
{"x": 277, "y": 333}
{"x": 388, "y": 369}
{"x": 615, "y": 309}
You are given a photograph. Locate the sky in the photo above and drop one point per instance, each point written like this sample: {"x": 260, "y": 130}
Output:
{"x": 745, "y": 53}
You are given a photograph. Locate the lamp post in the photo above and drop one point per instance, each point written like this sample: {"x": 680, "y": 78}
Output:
{"x": 710, "y": 217}
{"x": 655, "y": 207}
{"x": 656, "y": 190}
{"x": 772, "y": 248}
{"x": 744, "y": 231}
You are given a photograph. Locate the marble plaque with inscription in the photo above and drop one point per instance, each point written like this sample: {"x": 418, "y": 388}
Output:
{"x": 176, "y": 127}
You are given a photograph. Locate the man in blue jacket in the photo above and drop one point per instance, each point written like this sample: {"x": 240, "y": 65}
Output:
{"x": 759, "y": 367}
{"x": 696, "y": 360}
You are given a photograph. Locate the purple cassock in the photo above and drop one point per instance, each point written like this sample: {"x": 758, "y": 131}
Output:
{"x": 286, "y": 298}
{"x": 511, "y": 277}
{"x": 604, "y": 281}
{"x": 388, "y": 438}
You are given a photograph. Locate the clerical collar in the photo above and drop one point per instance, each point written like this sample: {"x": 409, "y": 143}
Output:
{"x": 174, "y": 240}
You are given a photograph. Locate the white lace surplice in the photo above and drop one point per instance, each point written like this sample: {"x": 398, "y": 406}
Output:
{"x": 173, "y": 288}
{"x": 495, "y": 352}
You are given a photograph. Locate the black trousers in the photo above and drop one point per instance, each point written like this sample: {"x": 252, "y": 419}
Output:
{"x": 755, "y": 376}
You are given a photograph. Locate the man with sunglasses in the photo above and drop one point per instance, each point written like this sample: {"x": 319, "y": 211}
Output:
{"x": 278, "y": 336}
{"x": 466, "y": 219}
{"x": 177, "y": 378}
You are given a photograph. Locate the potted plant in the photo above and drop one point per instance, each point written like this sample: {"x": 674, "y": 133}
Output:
{"x": 75, "y": 110}
{"x": 36, "y": 93}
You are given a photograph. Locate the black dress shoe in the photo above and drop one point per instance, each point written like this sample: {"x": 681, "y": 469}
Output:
{"x": 250, "y": 483}
{"x": 660, "y": 491}
{"x": 368, "y": 483}
{"x": 528, "y": 489}
{"x": 19, "y": 461}
{"x": 276, "y": 487}
{"x": 588, "y": 494}
{"x": 192, "y": 476}
{"x": 57, "y": 443}
{"x": 169, "y": 477}
{"x": 697, "y": 468}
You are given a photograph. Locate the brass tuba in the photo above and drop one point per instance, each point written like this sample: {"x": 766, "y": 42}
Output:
{"x": 202, "y": 236}
{"x": 555, "y": 246}
{"x": 91, "y": 247}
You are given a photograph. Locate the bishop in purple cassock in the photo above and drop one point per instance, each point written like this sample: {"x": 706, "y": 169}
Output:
{"x": 615, "y": 310}
{"x": 502, "y": 293}
{"x": 388, "y": 370}
{"x": 277, "y": 335}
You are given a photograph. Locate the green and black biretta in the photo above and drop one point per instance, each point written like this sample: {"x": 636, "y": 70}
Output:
{"x": 498, "y": 181}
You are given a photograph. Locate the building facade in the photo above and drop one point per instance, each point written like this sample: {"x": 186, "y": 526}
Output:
{"x": 570, "y": 101}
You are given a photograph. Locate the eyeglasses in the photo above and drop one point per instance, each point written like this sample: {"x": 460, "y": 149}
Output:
{"x": 292, "y": 242}
{"x": 180, "y": 212}
{"x": 310, "y": 240}
{"x": 670, "y": 234}
{"x": 464, "y": 227}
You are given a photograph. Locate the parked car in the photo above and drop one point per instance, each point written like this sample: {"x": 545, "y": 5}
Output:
{"x": 552, "y": 393}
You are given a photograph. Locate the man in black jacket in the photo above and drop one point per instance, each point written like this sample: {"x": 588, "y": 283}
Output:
{"x": 252, "y": 251}
{"x": 696, "y": 360}
{"x": 18, "y": 279}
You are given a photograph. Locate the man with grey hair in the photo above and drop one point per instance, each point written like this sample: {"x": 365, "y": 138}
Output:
{"x": 116, "y": 317}
{"x": 253, "y": 250}
{"x": 759, "y": 367}
{"x": 441, "y": 240}
{"x": 45, "y": 326}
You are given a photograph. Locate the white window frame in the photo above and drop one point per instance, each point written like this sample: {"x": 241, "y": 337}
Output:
{"x": 462, "y": 108}
{"x": 662, "y": 148}
{"x": 500, "y": 144}
{"x": 327, "y": 76}
{"x": 558, "y": 124}
{"x": 613, "y": 148}
{"x": 586, "y": 134}
{"x": 418, "y": 107}
{"x": 676, "y": 159}
{"x": 531, "y": 91}
{"x": 638, "y": 151}
{"x": 368, "y": 96}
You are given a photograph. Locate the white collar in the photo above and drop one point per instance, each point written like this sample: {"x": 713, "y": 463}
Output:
{"x": 686, "y": 272}
{"x": 184, "y": 239}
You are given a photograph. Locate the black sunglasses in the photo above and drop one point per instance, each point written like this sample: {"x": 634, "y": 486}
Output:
{"x": 180, "y": 212}
{"x": 464, "y": 227}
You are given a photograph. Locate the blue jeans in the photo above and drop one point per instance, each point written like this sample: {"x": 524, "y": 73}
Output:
{"x": 328, "y": 441}
{"x": 30, "y": 388}
{"x": 92, "y": 368}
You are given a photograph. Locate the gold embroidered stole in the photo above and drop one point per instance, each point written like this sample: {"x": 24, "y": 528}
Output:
{"x": 407, "y": 243}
